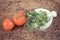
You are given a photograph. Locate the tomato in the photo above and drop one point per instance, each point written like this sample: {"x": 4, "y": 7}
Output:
{"x": 7, "y": 24}
{"x": 19, "y": 18}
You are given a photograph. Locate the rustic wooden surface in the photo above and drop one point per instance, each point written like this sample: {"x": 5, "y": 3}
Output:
{"x": 9, "y": 7}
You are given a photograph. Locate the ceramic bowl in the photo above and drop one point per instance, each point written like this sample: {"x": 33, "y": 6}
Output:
{"x": 50, "y": 15}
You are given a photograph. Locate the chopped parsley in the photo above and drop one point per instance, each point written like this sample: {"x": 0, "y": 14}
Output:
{"x": 36, "y": 20}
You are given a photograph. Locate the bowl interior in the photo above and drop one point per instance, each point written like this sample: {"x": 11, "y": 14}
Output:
{"x": 50, "y": 19}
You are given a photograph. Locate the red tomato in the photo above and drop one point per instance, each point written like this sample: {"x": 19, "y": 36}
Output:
{"x": 7, "y": 24}
{"x": 19, "y": 18}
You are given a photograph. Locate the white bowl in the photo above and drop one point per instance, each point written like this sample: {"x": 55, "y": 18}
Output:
{"x": 50, "y": 15}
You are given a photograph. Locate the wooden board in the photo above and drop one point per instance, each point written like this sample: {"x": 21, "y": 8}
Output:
{"x": 9, "y": 7}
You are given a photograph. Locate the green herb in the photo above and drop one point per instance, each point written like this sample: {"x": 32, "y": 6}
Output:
{"x": 36, "y": 20}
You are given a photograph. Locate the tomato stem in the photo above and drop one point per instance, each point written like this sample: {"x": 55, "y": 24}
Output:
{"x": 18, "y": 17}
